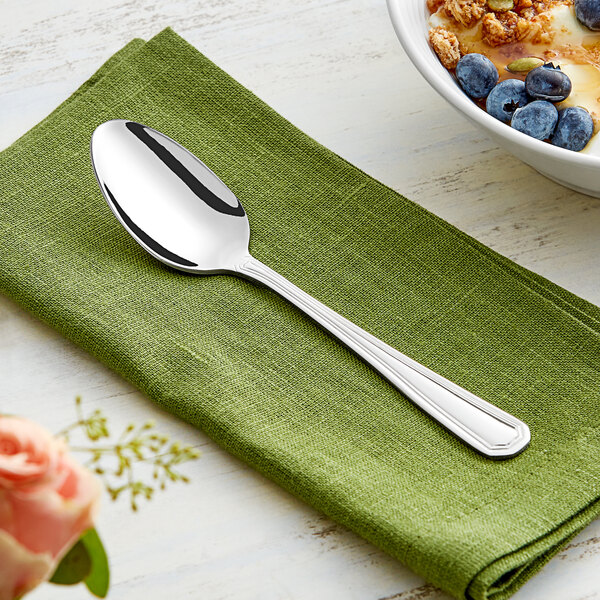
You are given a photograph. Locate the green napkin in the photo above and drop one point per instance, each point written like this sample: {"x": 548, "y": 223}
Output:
{"x": 268, "y": 384}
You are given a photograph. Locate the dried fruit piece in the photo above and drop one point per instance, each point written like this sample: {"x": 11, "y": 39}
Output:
{"x": 501, "y": 5}
{"x": 524, "y": 65}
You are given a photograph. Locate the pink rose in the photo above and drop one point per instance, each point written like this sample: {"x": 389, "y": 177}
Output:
{"x": 47, "y": 500}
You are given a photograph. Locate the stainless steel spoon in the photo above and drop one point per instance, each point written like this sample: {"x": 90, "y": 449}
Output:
{"x": 185, "y": 216}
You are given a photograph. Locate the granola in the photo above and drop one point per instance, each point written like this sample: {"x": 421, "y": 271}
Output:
{"x": 508, "y": 32}
{"x": 466, "y": 12}
{"x": 445, "y": 43}
{"x": 504, "y": 28}
{"x": 476, "y": 22}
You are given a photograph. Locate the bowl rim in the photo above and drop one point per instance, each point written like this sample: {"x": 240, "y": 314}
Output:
{"x": 457, "y": 98}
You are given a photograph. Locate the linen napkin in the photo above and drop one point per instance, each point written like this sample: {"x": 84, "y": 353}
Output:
{"x": 268, "y": 384}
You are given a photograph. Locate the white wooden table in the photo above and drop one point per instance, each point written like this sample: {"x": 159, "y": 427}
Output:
{"x": 335, "y": 69}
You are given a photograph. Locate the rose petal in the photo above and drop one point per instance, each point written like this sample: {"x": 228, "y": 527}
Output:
{"x": 47, "y": 499}
{"x": 28, "y": 452}
{"x": 20, "y": 569}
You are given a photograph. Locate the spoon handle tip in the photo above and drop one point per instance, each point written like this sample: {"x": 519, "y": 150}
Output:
{"x": 485, "y": 427}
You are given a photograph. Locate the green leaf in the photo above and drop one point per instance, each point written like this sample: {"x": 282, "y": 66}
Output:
{"x": 75, "y": 566}
{"x": 98, "y": 579}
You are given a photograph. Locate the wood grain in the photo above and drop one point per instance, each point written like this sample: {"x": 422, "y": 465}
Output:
{"x": 335, "y": 69}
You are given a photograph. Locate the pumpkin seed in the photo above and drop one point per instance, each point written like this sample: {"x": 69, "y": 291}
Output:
{"x": 524, "y": 65}
{"x": 501, "y": 5}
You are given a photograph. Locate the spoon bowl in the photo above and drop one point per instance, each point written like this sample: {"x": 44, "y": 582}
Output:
{"x": 168, "y": 200}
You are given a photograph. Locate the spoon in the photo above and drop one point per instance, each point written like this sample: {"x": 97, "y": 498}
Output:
{"x": 178, "y": 210}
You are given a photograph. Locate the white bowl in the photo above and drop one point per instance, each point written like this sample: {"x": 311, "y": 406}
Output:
{"x": 576, "y": 170}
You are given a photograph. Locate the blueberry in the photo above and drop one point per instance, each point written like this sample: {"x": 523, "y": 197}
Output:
{"x": 476, "y": 74}
{"x": 505, "y": 98}
{"x": 574, "y": 129}
{"x": 537, "y": 119}
{"x": 548, "y": 83}
{"x": 588, "y": 13}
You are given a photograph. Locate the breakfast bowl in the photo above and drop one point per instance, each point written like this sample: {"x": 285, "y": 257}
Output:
{"x": 579, "y": 171}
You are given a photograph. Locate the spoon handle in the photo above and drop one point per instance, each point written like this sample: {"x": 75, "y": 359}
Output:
{"x": 478, "y": 423}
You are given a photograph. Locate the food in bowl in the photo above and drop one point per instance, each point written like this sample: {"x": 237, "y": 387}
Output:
{"x": 526, "y": 62}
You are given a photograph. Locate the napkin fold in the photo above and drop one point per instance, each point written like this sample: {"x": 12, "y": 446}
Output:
{"x": 268, "y": 384}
